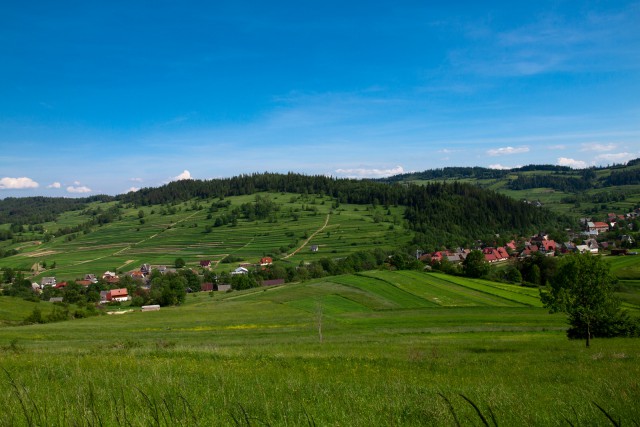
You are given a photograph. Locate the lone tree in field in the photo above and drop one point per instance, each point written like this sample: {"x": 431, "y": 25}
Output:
{"x": 583, "y": 288}
{"x": 474, "y": 265}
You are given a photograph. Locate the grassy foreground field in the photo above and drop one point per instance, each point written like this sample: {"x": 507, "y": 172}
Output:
{"x": 380, "y": 348}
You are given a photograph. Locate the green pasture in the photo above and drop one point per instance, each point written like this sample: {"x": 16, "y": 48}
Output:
{"x": 378, "y": 348}
{"x": 625, "y": 267}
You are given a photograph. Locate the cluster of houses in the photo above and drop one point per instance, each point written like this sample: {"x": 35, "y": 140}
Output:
{"x": 612, "y": 222}
{"x": 540, "y": 243}
{"x": 143, "y": 273}
{"x": 109, "y": 277}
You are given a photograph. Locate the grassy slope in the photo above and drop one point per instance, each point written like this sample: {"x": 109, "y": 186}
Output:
{"x": 393, "y": 343}
{"x": 125, "y": 244}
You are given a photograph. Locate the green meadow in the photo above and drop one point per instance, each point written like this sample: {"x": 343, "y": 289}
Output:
{"x": 377, "y": 348}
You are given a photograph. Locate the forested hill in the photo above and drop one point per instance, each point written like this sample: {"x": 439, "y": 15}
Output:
{"x": 551, "y": 176}
{"x": 476, "y": 172}
{"x": 439, "y": 213}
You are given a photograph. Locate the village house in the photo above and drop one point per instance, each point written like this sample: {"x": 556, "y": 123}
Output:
{"x": 240, "y": 270}
{"x": 47, "y": 281}
{"x": 91, "y": 278}
{"x": 224, "y": 287}
{"x": 593, "y": 245}
{"x": 145, "y": 269}
{"x": 137, "y": 274}
{"x": 205, "y": 263}
{"x": 206, "y": 287}
{"x": 597, "y": 227}
{"x": 120, "y": 295}
{"x": 109, "y": 275}
{"x": 267, "y": 260}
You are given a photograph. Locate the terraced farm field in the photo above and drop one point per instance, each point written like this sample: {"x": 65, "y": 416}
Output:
{"x": 188, "y": 231}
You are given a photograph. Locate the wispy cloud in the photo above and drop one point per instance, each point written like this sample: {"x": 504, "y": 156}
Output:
{"x": 135, "y": 179}
{"x": 370, "y": 173}
{"x": 54, "y": 185}
{"x": 616, "y": 157}
{"x": 572, "y": 163}
{"x": 22, "y": 183}
{"x": 595, "y": 146}
{"x": 553, "y": 42}
{"x": 507, "y": 150}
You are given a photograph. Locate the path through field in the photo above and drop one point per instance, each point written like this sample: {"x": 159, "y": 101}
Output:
{"x": 310, "y": 237}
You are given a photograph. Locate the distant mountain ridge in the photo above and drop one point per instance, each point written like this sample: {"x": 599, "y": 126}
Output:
{"x": 619, "y": 174}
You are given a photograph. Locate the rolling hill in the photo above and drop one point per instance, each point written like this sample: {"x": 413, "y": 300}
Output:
{"x": 248, "y": 217}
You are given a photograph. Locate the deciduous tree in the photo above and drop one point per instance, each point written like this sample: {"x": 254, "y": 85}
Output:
{"x": 583, "y": 288}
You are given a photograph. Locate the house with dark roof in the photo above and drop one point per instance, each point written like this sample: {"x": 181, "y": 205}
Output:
{"x": 48, "y": 281}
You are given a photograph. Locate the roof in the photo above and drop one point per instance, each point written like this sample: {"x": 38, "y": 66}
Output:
{"x": 122, "y": 292}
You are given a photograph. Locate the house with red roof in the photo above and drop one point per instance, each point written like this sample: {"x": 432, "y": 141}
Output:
{"x": 120, "y": 295}
{"x": 548, "y": 245}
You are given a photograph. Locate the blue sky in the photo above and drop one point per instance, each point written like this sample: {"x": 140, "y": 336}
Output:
{"x": 105, "y": 97}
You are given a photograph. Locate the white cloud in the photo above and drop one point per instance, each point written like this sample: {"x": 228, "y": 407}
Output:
{"x": 594, "y": 146}
{"x": 576, "y": 164}
{"x": 616, "y": 157}
{"x": 132, "y": 190}
{"x": 502, "y": 167}
{"x": 78, "y": 189}
{"x": 370, "y": 173}
{"x": 76, "y": 182}
{"x": 507, "y": 150}
{"x": 184, "y": 175}
{"x": 54, "y": 185}
{"x": 17, "y": 183}
{"x": 557, "y": 147}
